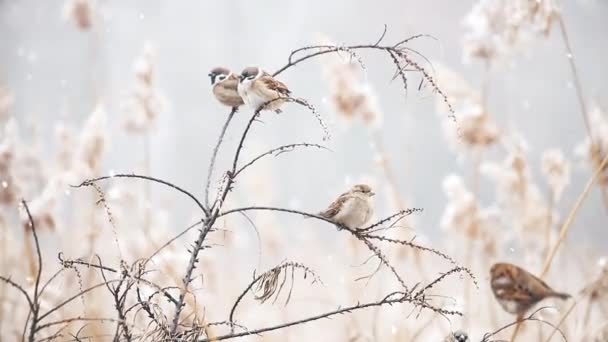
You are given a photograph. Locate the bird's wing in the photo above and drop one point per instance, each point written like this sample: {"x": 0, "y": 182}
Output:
{"x": 334, "y": 207}
{"x": 230, "y": 83}
{"x": 273, "y": 84}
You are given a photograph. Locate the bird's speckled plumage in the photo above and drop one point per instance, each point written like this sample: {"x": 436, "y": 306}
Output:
{"x": 352, "y": 209}
{"x": 517, "y": 290}
{"x": 258, "y": 87}
{"x": 225, "y": 87}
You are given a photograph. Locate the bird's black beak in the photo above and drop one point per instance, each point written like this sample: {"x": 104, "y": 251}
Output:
{"x": 241, "y": 78}
{"x": 212, "y": 77}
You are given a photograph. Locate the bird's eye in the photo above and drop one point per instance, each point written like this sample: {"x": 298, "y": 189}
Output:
{"x": 250, "y": 77}
{"x": 221, "y": 77}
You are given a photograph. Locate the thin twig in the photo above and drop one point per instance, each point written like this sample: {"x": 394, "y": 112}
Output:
{"x": 575, "y": 77}
{"x": 486, "y": 337}
{"x": 279, "y": 150}
{"x": 89, "y": 182}
{"x": 36, "y": 299}
{"x": 215, "y": 152}
{"x": 568, "y": 223}
{"x": 386, "y": 301}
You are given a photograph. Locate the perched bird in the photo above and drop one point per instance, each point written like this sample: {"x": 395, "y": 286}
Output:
{"x": 225, "y": 87}
{"x": 517, "y": 290}
{"x": 352, "y": 209}
{"x": 458, "y": 336}
{"x": 258, "y": 87}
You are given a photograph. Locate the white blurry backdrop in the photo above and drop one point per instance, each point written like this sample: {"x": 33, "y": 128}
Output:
{"x": 57, "y": 72}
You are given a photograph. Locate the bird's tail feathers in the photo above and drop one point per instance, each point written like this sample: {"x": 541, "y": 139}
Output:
{"x": 561, "y": 295}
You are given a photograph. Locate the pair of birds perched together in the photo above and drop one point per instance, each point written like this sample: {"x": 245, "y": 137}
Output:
{"x": 516, "y": 289}
{"x": 253, "y": 86}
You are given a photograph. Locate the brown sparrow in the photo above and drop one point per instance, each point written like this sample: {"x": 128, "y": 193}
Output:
{"x": 352, "y": 209}
{"x": 258, "y": 87}
{"x": 517, "y": 290}
{"x": 225, "y": 85}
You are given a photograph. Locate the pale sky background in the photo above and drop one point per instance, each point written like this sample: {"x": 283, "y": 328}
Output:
{"x": 56, "y": 71}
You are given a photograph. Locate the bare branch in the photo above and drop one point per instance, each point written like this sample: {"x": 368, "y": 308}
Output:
{"x": 20, "y": 289}
{"x": 89, "y": 182}
{"x": 277, "y": 151}
{"x": 70, "y": 299}
{"x": 486, "y": 337}
{"x": 386, "y": 301}
{"x": 35, "y": 307}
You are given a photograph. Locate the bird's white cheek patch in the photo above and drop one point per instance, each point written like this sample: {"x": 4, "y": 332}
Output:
{"x": 246, "y": 85}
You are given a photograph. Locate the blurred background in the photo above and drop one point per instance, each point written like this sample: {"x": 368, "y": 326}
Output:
{"x": 57, "y": 72}
{"x": 145, "y": 64}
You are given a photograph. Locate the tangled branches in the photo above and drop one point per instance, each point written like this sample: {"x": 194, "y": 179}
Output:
{"x": 132, "y": 291}
{"x": 399, "y": 53}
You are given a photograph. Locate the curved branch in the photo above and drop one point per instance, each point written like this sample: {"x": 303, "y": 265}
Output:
{"x": 517, "y": 322}
{"x": 32, "y": 226}
{"x": 80, "y": 319}
{"x": 70, "y": 263}
{"x": 36, "y": 304}
{"x": 396, "y": 51}
{"x": 89, "y": 182}
{"x": 279, "y": 150}
{"x": 67, "y": 301}
{"x": 403, "y": 299}
{"x": 51, "y": 280}
{"x": 382, "y": 35}
{"x": 172, "y": 240}
{"x": 20, "y": 289}
{"x": 262, "y": 276}
{"x": 291, "y": 211}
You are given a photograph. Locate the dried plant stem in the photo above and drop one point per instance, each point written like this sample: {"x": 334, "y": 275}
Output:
{"x": 579, "y": 93}
{"x": 389, "y": 175}
{"x": 562, "y": 320}
{"x": 575, "y": 75}
{"x": 517, "y": 327}
{"x": 549, "y": 225}
{"x": 147, "y": 195}
{"x": 35, "y": 300}
{"x": 605, "y": 196}
{"x": 568, "y": 223}
{"x": 389, "y": 172}
{"x": 468, "y": 259}
{"x": 587, "y": 315}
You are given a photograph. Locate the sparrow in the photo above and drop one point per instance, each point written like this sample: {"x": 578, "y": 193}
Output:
{"x": 257, "y": 87}
{"x": 351, "y": 209}
{"x": 225, "y": 85}
{"x": 517, "y": 290}
{"x": 458, "y": 336}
